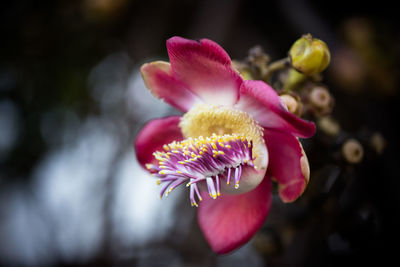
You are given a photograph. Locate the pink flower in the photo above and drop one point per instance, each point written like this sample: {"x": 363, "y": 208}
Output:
{"x": 234, "y": 138}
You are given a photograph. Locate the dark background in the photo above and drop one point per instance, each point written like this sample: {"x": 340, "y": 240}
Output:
{"x": 71, "y": 103}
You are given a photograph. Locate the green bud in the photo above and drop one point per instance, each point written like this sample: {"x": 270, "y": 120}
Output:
{"x": 309, "y": 55}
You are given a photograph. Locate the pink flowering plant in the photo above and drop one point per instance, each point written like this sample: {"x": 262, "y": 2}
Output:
{"x": 236, "y": 136}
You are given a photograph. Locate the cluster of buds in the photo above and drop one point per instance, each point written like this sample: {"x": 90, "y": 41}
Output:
{"x": 307, "y": 58}
{"x": 255, "y": 65}
{"x": 353, "y": 150}
{"x": 338, "y": 154}
{"x": 297, "y": 79}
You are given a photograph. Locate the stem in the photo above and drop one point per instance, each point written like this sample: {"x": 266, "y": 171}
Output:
{"x": 273, "y": 67}
{"x": 293, "y": 79}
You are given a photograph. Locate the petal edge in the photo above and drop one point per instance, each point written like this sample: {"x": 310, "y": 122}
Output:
{"x": 232, "y": 220}
{"x": 288, "y": 164}
{"x": 154, "y": 135}
{"x": 206, "y": 69}
{"x": 158, "y": 78}
{"x": 263, "y": 103}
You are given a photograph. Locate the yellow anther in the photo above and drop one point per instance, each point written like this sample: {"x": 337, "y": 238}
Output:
{"x": 158, "y": 181}
{"x": 221, "y": 152}
{"x": 236, "y": 185}
{"x": 228, "y": 146}
{"x": 214, "y": 145}
{"x": 162, "y": 172}
{"x": 148, "y": 166}
{"x": 166, "y": 148}
{"x": 178, "y": 172}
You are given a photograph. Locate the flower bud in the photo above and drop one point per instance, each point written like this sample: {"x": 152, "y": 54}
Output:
{"x": 292, "y": 103}
{"x": 320, "y": 97}
{"x": 309, "y": 55}
{"x": 258, "y": 61}
{"x": 352, "y": 151}
{"x": 329, "y": 126}
{"x": 378, "y": 143}
{"x": 318, "y": 100}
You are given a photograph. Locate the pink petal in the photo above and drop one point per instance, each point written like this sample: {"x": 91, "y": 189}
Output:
{"x": 159, "y": 80}
{"x": 262, "y": 102}
{"x": 154, "y": 135}
{"x": 231, "y": 220}
{"x": 206, "y": 68}
{"x": 288, "y": 164}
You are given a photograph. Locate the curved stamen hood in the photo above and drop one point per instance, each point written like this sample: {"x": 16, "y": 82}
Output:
{"x": 206, "y": 120}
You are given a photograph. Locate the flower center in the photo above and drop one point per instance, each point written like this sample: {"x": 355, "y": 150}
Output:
{"x": 233, "y": 150}
{"x": 206, "y": 120}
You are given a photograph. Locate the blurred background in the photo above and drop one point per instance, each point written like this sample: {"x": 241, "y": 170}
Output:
{"x": 72, "y": 101}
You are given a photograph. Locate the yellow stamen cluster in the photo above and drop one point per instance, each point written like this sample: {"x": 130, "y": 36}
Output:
{"x": 209, "y": 120}
{"x": 194, "y": 148}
